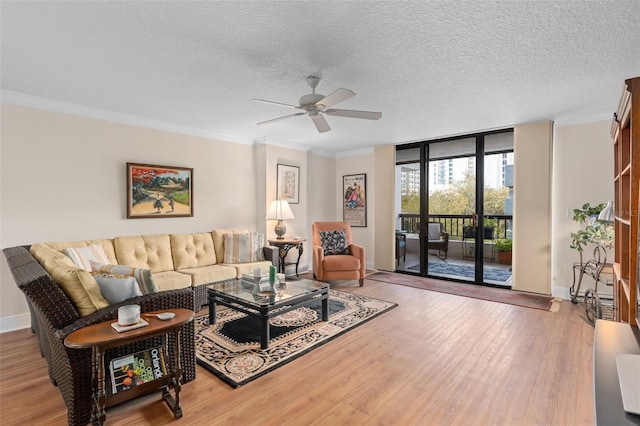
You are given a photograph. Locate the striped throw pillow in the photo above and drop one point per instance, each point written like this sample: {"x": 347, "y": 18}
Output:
{"x": 142, "y": 276}
{"x": 243, "y": 248}
{"x": 82, "y": 256}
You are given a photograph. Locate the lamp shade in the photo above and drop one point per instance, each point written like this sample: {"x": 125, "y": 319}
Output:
{"x": 607, "y": 214}
{"x": 279, "y": 210}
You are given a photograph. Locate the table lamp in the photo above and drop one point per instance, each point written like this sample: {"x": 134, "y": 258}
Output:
{"x": 280, "y": 211}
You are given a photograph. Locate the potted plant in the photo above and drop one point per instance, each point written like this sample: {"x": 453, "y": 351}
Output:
{"x": 596, "y": 231}
{"x": 504, "y": 247}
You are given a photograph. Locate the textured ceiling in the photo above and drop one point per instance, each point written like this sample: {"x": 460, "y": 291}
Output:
{"x": 433, "y": 68}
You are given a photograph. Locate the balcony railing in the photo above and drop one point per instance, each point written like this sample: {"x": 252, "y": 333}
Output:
{"x": 454, "y": 223}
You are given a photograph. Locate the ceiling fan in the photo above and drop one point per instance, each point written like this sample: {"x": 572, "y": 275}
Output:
{"x": 314, "y": 105}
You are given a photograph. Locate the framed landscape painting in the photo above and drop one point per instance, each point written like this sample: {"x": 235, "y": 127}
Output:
{"x": 288, "y": 183}
{"x": 159, "y": 191}
{"x": 354, "y": 189}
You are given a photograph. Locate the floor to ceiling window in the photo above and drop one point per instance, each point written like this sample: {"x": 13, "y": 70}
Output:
{"x": 454, "y": 205}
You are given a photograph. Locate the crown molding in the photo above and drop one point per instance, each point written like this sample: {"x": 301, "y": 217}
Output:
{"x": 22, "y": 99}
{"x": 585, "y": 119}
{"x": 355, "y": 152}
{"x": 322, "y": 153}
{"x": 264, "y": 140}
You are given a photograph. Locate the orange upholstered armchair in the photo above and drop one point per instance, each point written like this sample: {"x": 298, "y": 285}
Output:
{"x": 338, "y": 258}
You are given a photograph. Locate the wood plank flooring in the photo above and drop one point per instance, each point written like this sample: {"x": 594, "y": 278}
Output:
{"x": 436, "y": 359}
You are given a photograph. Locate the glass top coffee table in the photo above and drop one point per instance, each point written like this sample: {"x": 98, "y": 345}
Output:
{"x": 239, "y": 296}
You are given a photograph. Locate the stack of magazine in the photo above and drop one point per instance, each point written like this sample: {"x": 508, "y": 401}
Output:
{"x": 249, "y": 281}
{"x": 141, "y": 367}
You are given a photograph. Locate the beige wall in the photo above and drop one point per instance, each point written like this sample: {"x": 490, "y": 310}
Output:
{"x": 582, "y": 172}
{"x": 298, "y": 226}
{"x": 532, "y": 207}
{"x": 356, "y": 162}
{"x": 63, "y": 177}
{"x": 385, "y": 171}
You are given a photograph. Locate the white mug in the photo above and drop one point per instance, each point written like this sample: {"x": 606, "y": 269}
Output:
{"x": 128, "y": 315}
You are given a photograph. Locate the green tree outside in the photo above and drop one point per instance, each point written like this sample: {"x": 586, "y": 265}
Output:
{"x": 459, "y": 199}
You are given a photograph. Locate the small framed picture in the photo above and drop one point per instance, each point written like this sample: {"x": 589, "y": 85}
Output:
{"x": 159, "y": 191}
{"x": 288, "y": 183}
{"x": 354, "y": 189}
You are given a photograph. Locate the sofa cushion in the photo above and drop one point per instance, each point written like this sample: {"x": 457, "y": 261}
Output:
{"x": 209, "y": 274}
{"x": 117, "y": 288}
{"x": 192, "y": 250}
{"x": 334, "y": 242}
{"x": 79, "y": 286}
{"x": 82, "y": 256}
{"x": 171, "y": 280}
{"x": 151, "y": 252}
{"x": 341, "y": 263}
{"x": 44, "y": 252}
{"x": 143, "y": 276}
{"x": 106, "y": 244}
{"x": 243, "y": 248}
{"x": 218, "y": 240}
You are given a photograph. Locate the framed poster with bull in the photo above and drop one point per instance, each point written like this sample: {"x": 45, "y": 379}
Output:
{"x": 354, "y": 199}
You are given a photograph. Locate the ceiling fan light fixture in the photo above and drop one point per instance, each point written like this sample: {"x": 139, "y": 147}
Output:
{"x": 315, "y": 105}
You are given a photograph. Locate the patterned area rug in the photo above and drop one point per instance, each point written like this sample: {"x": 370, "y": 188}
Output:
{"x": 465, "y": 271}
{"x": 230, "y": 348}
{"x": 511, "y": 297}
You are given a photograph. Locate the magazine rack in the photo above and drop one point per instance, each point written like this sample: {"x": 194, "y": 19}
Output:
{"x": 100, "y": 337}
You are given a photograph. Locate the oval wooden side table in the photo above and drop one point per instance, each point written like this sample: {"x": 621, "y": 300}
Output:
{"x": 102, "y": 336}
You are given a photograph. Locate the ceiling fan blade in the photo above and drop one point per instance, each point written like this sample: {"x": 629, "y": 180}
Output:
{"x": 352, "y": 113}
{"x": 337, "y": 96}
{"x": 321, "y": 123}
{"x": 277, "y": 103}
{"x": 273, "y": 120}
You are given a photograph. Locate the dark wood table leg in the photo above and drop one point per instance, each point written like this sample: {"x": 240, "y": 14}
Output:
{"x": 300, "y": 246}
{"x": 264, "y": 331}
{"x": 212, "y": 310}
{"x": 174, "y": 403}
{"x": 325, "y": 307}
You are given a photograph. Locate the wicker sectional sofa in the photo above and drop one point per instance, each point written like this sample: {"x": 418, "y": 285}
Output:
{"x": 175, "y": 260}
{"x": 182, "y": 265}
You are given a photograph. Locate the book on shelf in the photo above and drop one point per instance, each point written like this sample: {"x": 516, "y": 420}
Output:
{"x": 133, "y": 370}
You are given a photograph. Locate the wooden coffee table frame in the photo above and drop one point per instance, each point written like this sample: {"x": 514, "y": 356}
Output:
{"x": 264, "y": 311}
{"x": 100, "y": 337}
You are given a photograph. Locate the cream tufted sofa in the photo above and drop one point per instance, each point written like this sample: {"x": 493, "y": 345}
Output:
{"x": 176, "y": 261}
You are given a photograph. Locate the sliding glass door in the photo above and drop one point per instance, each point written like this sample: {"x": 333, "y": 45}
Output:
{"x": 454, "y": 207}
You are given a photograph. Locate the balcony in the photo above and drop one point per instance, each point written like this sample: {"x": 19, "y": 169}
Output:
{"x": 459, "y": 261}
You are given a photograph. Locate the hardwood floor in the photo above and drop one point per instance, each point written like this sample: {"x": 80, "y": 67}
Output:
{"x": 436, "y": 359}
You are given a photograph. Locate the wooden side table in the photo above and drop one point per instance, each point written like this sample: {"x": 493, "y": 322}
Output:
{"x": 100, "y": 337}
{"x": 284, "y": 246}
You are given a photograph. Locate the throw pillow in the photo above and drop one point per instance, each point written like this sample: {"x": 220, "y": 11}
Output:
{"x": 117, "y": 288}
{"x": 334, "y": 242}
{"x": 143, "y": 276}
{"x": 82, "y": 256}
{"x": 78, "y": 284}
{"x": 243, "y": 248}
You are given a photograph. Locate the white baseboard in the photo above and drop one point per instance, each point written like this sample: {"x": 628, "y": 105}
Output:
{"x": 561, "y": 292}
{"x": 15, "y": 322}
